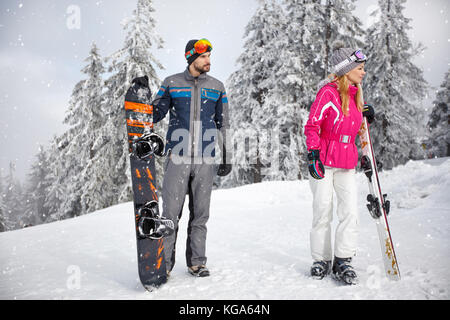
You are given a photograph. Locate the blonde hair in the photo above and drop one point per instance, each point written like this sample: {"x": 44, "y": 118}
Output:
{"x": 343, "y": 85}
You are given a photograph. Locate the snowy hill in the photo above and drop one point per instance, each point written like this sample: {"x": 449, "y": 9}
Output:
{"x": 258, "y": 247}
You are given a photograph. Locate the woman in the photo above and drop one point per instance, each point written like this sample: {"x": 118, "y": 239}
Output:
{"x": 334, "y": 121}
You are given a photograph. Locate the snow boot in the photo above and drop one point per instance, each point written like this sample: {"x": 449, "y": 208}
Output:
{"x": 199, "y": 271}
{"x": 320, "y": 269}
{"x": 343, "y": 271}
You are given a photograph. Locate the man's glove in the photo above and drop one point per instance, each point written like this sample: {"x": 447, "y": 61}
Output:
{"x": 316, "y": 168}
{"x": 224, "y": 167}
{"x": 369, "y": 113}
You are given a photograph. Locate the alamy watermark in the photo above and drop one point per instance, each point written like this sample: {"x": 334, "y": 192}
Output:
{"x": 73, "y": 20}
{"x": 374, "y": 279}
{"x": 244, "y": 147}
{"x": 73, "y": 281}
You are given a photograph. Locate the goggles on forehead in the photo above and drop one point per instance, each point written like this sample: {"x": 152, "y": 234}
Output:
{"x": 357, "y": 56}
{"x": 201, "y": 46}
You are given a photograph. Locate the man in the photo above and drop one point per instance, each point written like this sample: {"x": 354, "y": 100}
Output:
{"x": 198, "y": 108}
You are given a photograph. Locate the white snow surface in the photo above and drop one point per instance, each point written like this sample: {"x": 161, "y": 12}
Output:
{"x": 257, "y": 247}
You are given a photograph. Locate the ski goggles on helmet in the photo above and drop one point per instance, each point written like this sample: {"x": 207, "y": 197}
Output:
{"x": 357, "y": 56}
{"x": 201, "y": 46}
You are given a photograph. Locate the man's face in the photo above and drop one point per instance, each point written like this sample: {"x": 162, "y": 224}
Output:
{"x": 203, "y": 63}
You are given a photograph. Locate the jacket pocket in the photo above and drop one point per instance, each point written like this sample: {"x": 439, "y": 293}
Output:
{"x": 210, "y": 94}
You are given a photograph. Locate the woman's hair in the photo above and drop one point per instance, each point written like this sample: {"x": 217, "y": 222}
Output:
{"x": 343, "y": 85}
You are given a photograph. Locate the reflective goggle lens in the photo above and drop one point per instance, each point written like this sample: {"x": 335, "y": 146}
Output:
{"x": 359, "y": 55}
{"x": 201, "y": 46}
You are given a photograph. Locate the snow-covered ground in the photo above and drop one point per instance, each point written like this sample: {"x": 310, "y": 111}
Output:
{"x": 258, "y": 247}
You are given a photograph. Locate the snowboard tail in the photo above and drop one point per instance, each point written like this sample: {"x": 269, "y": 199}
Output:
{"x": 378, "y": 205}
{"x": 150, "y": 250}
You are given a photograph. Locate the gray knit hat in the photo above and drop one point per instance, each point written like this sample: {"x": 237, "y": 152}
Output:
{"x": 344, "y": 60}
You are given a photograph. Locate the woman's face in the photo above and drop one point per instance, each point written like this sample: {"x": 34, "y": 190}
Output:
{"x": 356, "y": 75}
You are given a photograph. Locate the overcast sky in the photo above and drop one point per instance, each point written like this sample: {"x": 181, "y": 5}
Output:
{"x": 41, "y": 55}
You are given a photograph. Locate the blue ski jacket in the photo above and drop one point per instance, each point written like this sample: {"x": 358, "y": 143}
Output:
{"x": 198, "y": 112}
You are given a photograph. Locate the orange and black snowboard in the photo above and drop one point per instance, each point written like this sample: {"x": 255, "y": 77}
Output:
{"x": 150, "y": 230}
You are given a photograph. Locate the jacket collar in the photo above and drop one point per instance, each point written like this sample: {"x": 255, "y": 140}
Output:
{"x": 189, "y": 76}
{"x": 352, "y": 90}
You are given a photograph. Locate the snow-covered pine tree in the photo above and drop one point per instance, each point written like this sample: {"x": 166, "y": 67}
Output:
{"x": 4, "y": 221}
{"x": 85, "y": 117}
{"x": 36, "y": 190}
{"x": 250, "y": 120}
{"x": 394, "y": 85}
{"x": 3, "y": 218}
{"x": 299, "y": 73}
{"x": 438, "y": 124}
{"x": 133, "y": 60}
{"x": 56, "y": 179}
{"x": 13, "y": 200}
{"x": 315, "y": 25}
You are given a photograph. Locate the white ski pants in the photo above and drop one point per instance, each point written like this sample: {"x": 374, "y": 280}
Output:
{"x": 342, "y": 181}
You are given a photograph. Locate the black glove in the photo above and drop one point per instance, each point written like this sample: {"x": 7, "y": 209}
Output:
{"x": 315, "y": 167}
{"x": 142, "y": 81}
{"x": 369, "y": 113}
{"x": 224, "y": 167}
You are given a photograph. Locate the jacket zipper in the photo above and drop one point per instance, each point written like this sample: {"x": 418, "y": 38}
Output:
{"x": 195, "y": 118}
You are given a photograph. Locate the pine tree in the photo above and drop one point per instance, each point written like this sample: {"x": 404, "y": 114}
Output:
{"x": 56, "y": 180}
{"x": 84, "y": 116}
{"x": 439, "y": 120}
{"x": 3, "y": 218}
{"x": 300, "y": 73}
{"x": 133, "y": 60}
{"x": 4, "y": 222}
{"x": 248, "y": 87}
{"x": 12, "y": 200}
{"x": 71, "y": 154}
{"x": 313, "y": 27}
{"x": 393, "y": 85}
{"x": 36, "y": 190}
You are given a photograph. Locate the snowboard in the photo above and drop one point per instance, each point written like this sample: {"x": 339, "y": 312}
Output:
{"x": 150, "y": 226}
{"x": 377, "y": 204}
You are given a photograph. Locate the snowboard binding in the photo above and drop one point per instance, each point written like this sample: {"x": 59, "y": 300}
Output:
{"x": 149, "y": 144}
{"x": 151, "y": 224}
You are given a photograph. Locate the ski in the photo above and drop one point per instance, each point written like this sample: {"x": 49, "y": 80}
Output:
{"x": 144, "y": 145}
{"x": 378, "y": 205}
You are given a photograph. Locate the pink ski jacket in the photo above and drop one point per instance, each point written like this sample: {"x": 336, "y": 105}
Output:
{"x": 329, "y": 131}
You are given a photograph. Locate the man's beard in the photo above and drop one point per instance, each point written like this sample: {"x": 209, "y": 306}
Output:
{"x": 203, "y": 69}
